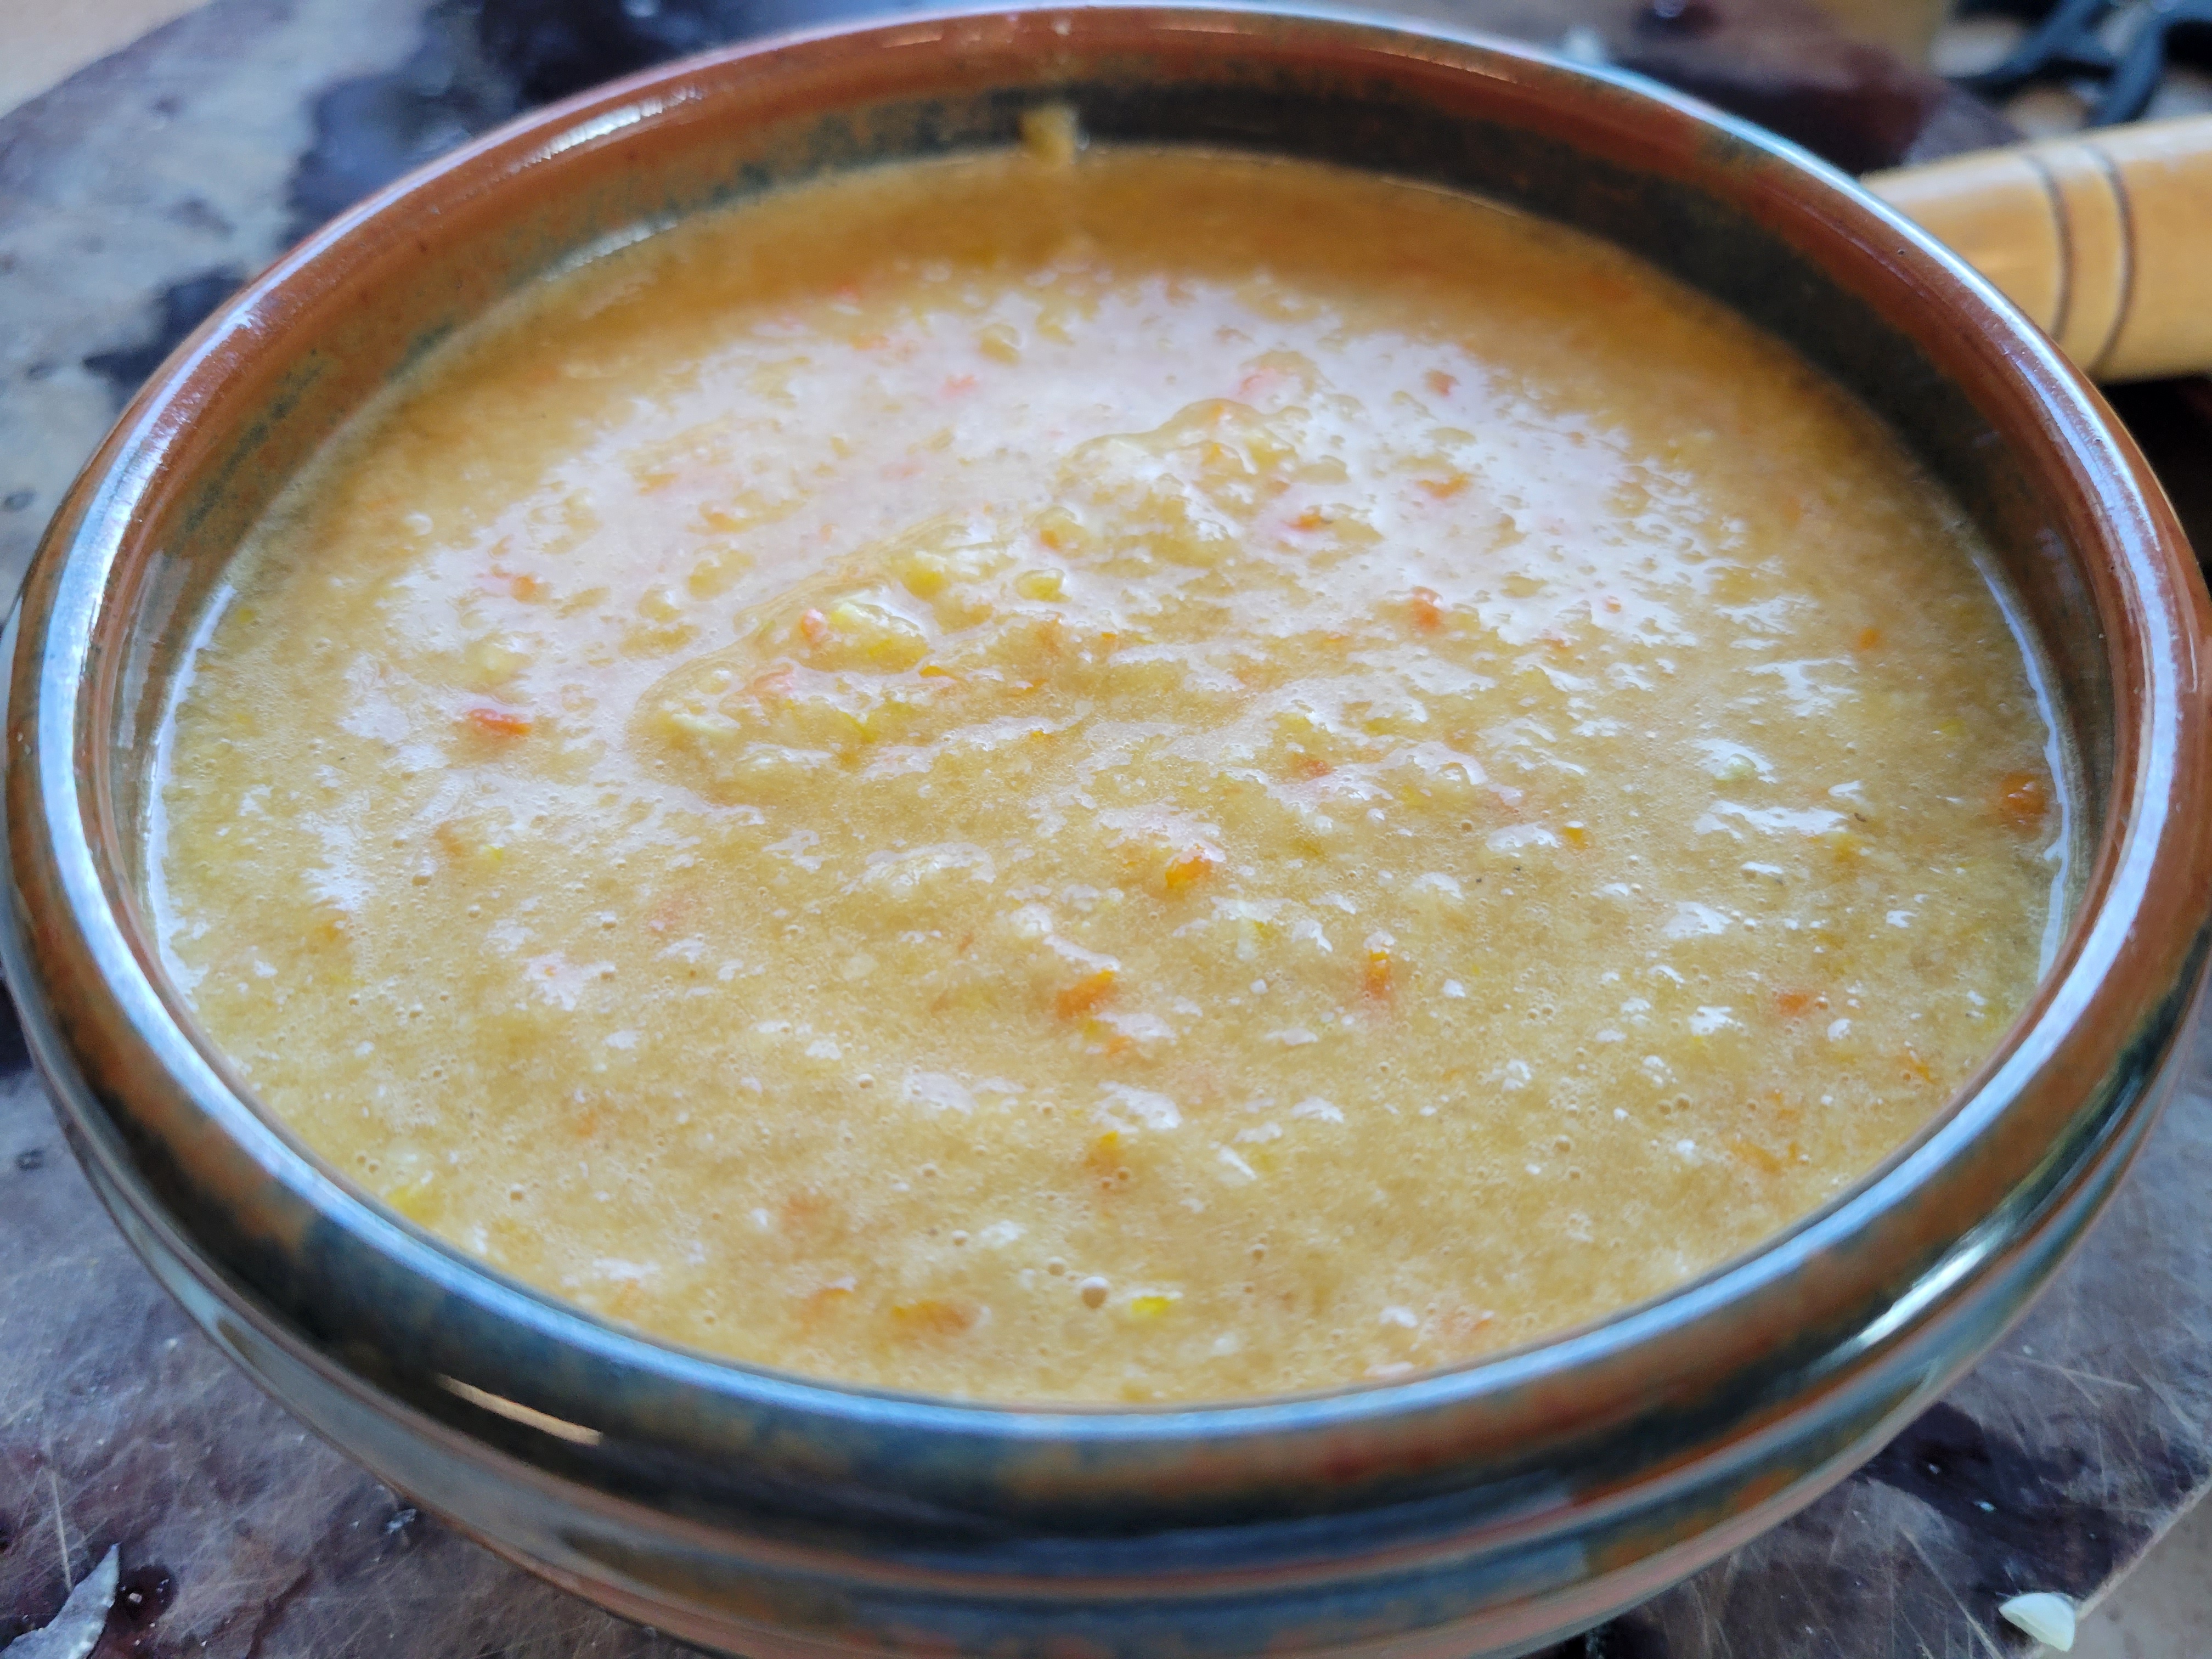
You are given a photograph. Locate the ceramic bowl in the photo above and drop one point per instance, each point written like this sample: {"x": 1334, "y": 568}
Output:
{"x": 1486, "y": 1508}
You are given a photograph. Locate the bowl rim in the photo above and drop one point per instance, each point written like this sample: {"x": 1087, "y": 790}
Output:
{"x": 71, "y": 927}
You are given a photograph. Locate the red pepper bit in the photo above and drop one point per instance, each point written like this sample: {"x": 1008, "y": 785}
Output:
{"x": 1439, "y": 382}
{"x": 498, "y": 722}
{"x": 932, "y": 1316}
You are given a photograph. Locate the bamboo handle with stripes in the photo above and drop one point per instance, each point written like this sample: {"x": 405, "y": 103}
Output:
{"x": 2104, "y": 238}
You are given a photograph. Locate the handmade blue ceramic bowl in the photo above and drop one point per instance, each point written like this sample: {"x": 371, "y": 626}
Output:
{"x": 1488, "y": 1508}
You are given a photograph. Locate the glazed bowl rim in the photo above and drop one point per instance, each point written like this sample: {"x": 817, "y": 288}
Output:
{"x": 49, "y": 816}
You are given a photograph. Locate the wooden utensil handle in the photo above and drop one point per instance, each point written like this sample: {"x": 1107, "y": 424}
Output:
{"x": 2104, "y": 238}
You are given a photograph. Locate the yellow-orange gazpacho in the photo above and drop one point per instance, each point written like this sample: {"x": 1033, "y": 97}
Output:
{"x": 1162, "y": 777}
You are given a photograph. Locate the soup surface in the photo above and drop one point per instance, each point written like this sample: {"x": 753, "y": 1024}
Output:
{"x": 1169, "y": 777}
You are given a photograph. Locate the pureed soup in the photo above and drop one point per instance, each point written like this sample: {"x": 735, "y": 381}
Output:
{"x": 1171, "y": 777}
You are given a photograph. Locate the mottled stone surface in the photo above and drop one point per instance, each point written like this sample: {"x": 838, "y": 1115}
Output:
{"x": 137, "y": 195}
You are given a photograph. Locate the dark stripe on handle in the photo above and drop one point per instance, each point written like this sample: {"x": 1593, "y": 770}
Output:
{"x": 2064, "y": 223}
{"x": 2117, "y": 181}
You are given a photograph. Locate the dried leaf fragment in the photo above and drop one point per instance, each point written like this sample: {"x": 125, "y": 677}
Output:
{"x": 75, "y": 1631}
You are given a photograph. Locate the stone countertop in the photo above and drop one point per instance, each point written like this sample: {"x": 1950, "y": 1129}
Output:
{"x": 138, "y": 194}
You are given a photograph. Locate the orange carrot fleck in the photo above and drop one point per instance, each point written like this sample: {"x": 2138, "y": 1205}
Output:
{"x": 1868, "y": 638}
{"x": 814, "y": 625}
{"x": 1916, "y": 1067}
{"x": 527, "y": 589}
{"x": 1439, "y": 382}
{"x": 498, "y": 722}
{"x": 955, "y": 384}
{"x": 1459, "y": 1326}
{"x": 1105, "y": 1040}
{"x": 1084, "y": 994}
{"x": 1187, "y": 866}
{"x": 1755, "y": 1155}
{"x": 827, "y": 1300}
{"x": 1428, "y": 609}
{"x": 2023, "y": 799}
{"x": 1793, "y": 1003}
{"x": 805, "y": 1206}
{"x": 1376, "y": 978}
{"x": 1312, "y": 519}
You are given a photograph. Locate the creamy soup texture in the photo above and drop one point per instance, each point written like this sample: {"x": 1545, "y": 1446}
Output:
{"x": 1171, "y": 777}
